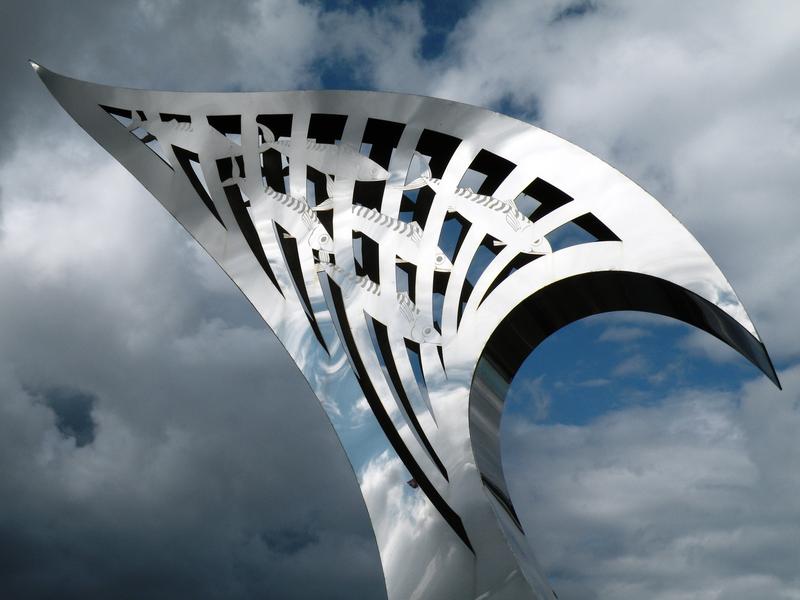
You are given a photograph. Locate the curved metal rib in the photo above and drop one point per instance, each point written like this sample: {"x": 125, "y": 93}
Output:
{"x": 403, "y": 250}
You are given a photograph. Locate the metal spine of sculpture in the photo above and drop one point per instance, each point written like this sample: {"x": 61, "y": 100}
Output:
{"x": 400, "y": 249}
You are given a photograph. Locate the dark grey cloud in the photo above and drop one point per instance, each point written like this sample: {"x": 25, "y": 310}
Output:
{"x": 73, "y": 412}
{"x": 154, "y": 438}
{"x": 575, "y": 10}
{"x": 211, "y": 472}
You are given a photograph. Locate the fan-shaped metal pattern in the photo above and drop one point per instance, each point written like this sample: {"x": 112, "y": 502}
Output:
{"x": 409, "y": 253}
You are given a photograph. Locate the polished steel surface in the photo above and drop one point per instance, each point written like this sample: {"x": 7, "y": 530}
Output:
{"x": 401, "y": 248}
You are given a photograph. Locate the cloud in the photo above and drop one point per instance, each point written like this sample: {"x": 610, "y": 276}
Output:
{"x": 533, "y": 391}
{"x": 633, "y": 365}
{"x": 73, "y": 412}
{"x": 596, "y": 382}
{"x": 688, "y": 498}
{"x": 622, "y": 334}
{"x": 699, "y": 344}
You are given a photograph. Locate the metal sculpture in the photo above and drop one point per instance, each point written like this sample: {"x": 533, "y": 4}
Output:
{"x": 400, "y": 248}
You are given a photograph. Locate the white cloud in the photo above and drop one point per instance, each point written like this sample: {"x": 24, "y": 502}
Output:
{"x": 701, "y": 344}
{"x": 633, "y": 365}
{"x": 534, "y": 391}
{"x": 623, "y": 334}
{"x": 595, "y": 382}
{"x": 693, "y": 498}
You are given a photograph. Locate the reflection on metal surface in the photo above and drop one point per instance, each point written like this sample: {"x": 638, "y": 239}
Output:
{"x": 401, "y": 248}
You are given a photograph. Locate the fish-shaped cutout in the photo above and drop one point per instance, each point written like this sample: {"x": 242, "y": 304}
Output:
{"x": 378, "y": 226}
{"x": 402, "y": 315}
{"x": 422, "y": 330}
{"x": 340, "y": 160}
{"x": 294, "y": 215}
{"x": 291, "y": 212}
{"x": 206, "y": 141}
{"x": 501, "y": 218}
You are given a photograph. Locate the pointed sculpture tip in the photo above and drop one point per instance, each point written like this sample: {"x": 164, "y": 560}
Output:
{"x": 773, "y": 377}
{"x": 770, "y": 371}
{"x": 36, "y": 66}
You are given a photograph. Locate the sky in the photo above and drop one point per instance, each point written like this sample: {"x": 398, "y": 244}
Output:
{"x": 152, "y": 443}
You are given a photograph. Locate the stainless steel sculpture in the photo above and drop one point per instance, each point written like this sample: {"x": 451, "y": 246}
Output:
{"x": 399, "y": 247}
